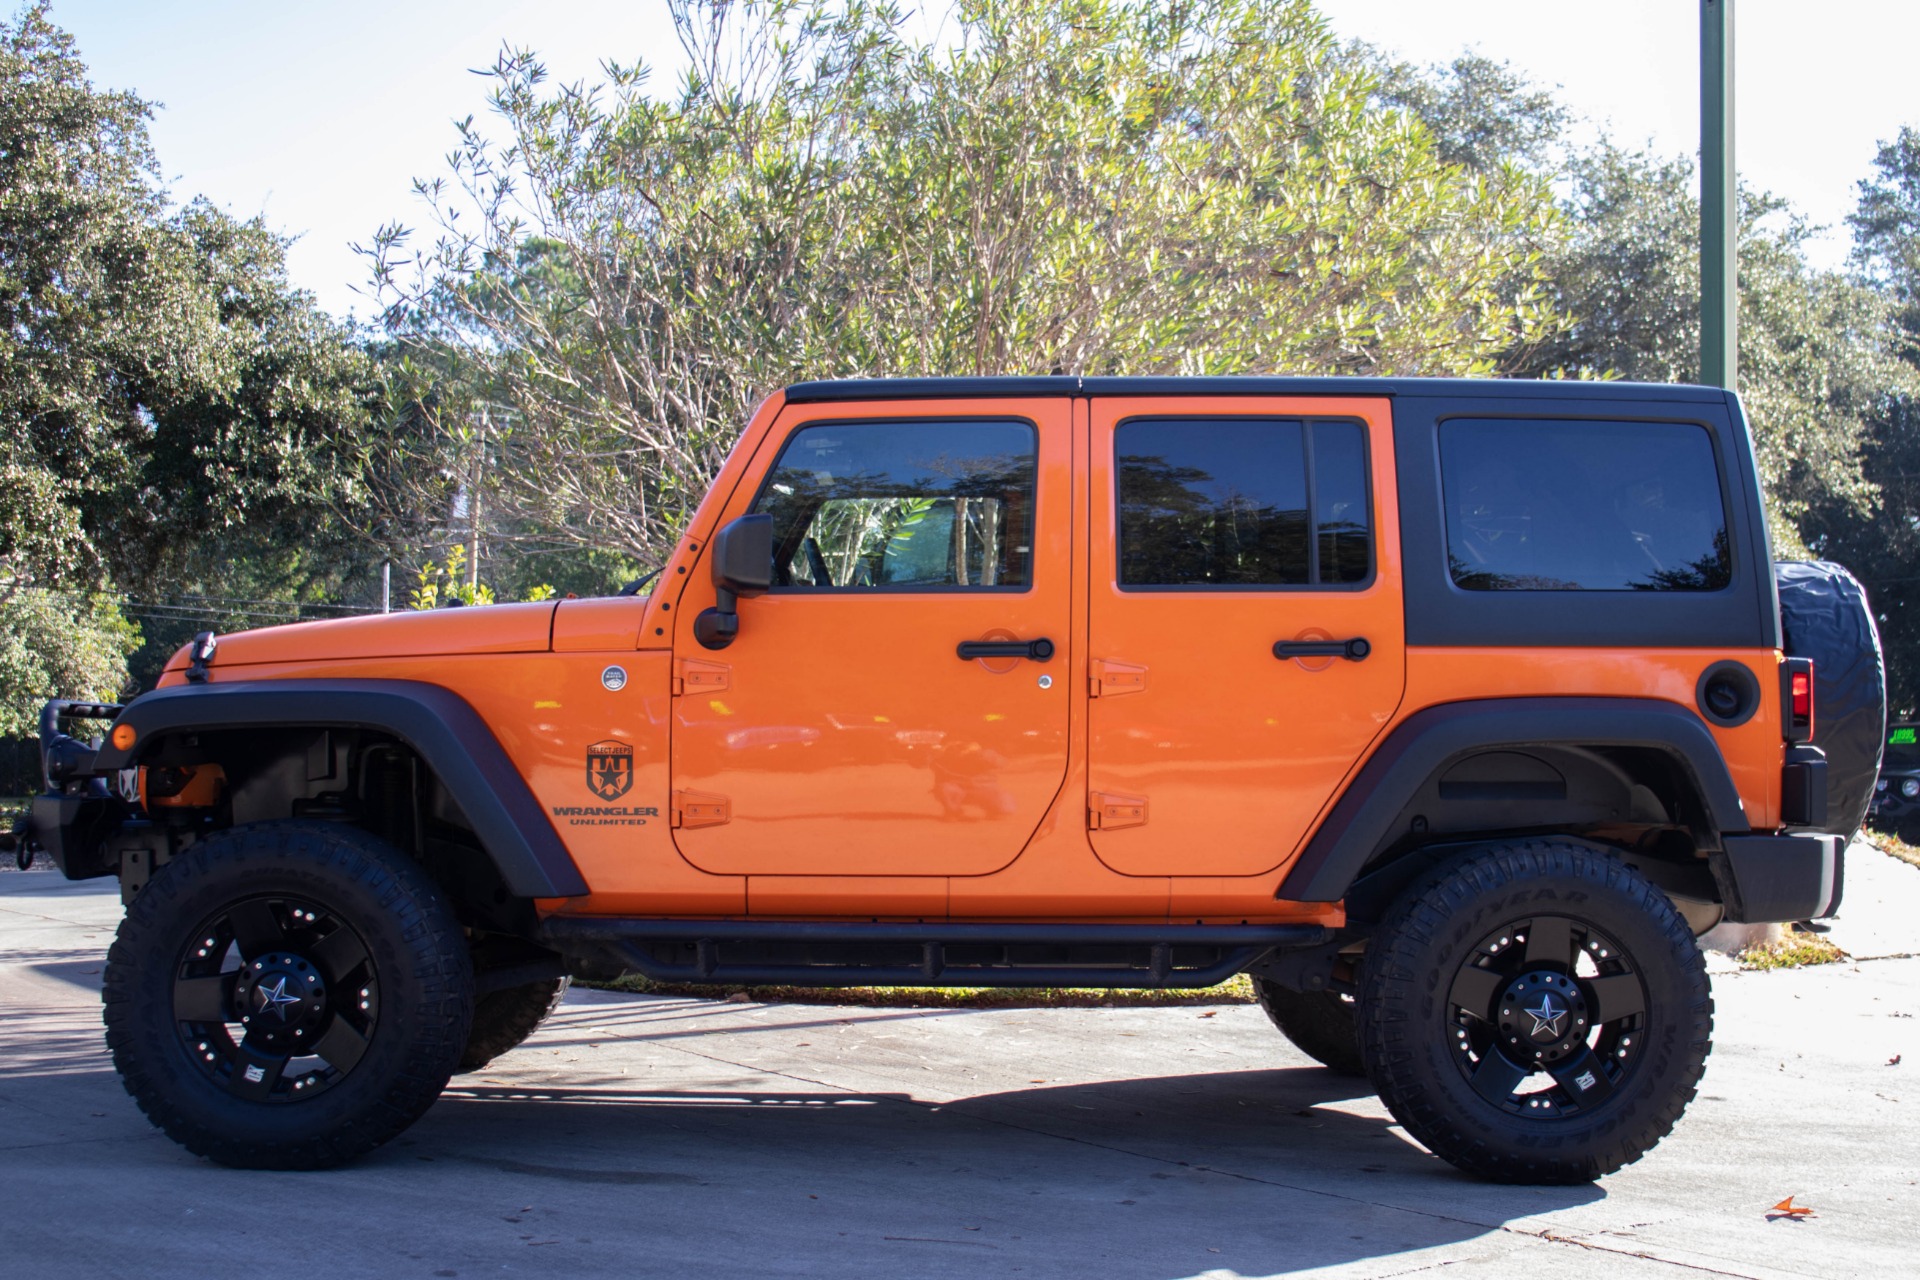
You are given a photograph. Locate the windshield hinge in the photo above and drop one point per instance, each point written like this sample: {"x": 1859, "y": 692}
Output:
{"x": 690, "y": 675}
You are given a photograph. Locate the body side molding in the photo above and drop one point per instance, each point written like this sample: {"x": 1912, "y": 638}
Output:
{"x": 1359, "y": 823}
{"x": 451, "y": 737}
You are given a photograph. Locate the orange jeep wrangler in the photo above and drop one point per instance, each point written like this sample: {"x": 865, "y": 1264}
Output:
{"x": 1451, "y": 712}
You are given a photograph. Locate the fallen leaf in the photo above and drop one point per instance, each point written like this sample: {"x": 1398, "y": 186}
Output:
{"x": 1894, "y": 1061}
{"x": 1211, "y": 1013}
{"x": 1788, "y": 1209}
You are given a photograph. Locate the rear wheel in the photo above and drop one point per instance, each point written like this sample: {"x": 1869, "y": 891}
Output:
{"x": 287, "y": 996}
{"x": 1319, "y": 1023}
{"x": 1535, "y": 1013}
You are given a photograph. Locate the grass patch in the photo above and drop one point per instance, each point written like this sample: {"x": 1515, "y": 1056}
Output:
{"x": 1795, "y": 951}
{"x": 1235, "y": 990}
{"x": 1892, "y": 845}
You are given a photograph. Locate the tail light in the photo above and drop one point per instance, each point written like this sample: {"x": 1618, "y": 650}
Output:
{"x": 1796, "y": 699}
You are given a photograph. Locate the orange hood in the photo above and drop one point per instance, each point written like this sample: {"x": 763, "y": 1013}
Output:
{"x": 499, "y": 628}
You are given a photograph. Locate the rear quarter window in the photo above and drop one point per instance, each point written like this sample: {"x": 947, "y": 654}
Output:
{"x": 1581, "y": 505}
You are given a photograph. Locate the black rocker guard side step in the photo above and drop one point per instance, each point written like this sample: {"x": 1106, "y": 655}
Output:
{"x": 936, "y": 954}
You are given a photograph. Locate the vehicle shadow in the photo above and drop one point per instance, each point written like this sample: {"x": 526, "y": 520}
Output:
{"x": 1244, "y": 1172}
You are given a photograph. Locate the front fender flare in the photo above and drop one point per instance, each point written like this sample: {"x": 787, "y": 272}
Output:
{"x": 449, "y": 735}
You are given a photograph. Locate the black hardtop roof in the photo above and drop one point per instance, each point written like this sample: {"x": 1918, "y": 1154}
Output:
{"x": 1071, "y": 385}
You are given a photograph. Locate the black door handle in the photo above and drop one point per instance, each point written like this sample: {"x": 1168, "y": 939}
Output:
{"x": 1352, "y": 650}
{"x": 1035, "y": 650}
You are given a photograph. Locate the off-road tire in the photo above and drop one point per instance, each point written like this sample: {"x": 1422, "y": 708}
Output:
{"x": 411, "y": 964}
{"x": 1471, "y": 911}
{"x": 502, "y": 1019}
{"x": 1319, "y": 1023}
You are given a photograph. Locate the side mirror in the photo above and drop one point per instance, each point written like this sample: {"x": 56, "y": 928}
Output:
{"x": 742, "y": 558}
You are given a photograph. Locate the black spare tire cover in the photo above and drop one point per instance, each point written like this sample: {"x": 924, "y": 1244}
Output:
{"x": 1825, "y": 616}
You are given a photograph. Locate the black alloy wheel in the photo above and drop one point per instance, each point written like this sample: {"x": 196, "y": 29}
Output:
{"x": 1535, "y": 1012}
{"x": 287, "y": 995}
{"x": 277, "y": 999}
{"x": 1547, "y": 1014}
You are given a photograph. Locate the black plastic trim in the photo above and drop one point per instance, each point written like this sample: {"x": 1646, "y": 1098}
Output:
{"x": 1071, "y": 385}
{"x": 629, "y": 939}
{"x": 1741, "y": 675}
{"x": 450, "y": 736}
{"x": 1803, "y": 787}
{"x": 1361, "y": 822}
{"x": 1766, "y": 879}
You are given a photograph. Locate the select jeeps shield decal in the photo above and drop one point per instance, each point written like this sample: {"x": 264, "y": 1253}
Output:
{"x": 610, "y": 768}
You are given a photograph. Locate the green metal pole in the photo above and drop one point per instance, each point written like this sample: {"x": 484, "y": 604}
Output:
{"x": 1719, "y": 214}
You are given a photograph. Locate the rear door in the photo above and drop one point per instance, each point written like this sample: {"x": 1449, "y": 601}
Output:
{"x": 1222, "y": 527}
{"x": 844, "y": 733}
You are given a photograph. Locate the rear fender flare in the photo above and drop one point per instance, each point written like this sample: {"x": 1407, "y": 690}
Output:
{"x": 450, "y": 737}
{"x": 1361, "y": 822}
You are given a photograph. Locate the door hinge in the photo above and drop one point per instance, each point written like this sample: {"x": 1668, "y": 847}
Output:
{"x": 1110, "y": 679}
{"x": 699, "y": 809}
{"x": 1107, "y": 811}
{"x": 690, "y": 675}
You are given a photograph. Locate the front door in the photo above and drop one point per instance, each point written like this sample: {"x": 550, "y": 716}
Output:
{"x": 1222, "y": 528}
{"x": 844, "y": 732}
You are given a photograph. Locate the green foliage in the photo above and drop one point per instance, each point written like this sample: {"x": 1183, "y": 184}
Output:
{"x": 451, "y": 585}
{"x": 1071, "y": 185}
{"x": 1482, "y": 113}
{"x": 64, "y": 644}
{"x": 1885, "y": 549}
{"x": 1886, "y": 229}
{"x": 173, "y": 414}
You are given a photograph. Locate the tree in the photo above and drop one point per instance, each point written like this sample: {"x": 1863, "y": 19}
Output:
{"x": 168, "y": 402}
{"x": 1885, "y": 551}
{"x": 1074, "y": 185}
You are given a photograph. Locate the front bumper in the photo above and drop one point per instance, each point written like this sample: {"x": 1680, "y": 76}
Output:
{"x": 1767, "y": 879}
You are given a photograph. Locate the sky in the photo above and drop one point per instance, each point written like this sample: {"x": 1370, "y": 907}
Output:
{"x": 319, "y": 116}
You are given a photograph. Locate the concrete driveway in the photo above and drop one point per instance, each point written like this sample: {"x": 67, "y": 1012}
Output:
{"x": 645, "y": 1136}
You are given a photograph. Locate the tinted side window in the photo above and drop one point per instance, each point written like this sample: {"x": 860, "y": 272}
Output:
{"x": 1534, "y": 505}
{"x": 903, "y": 505}
{"x": 1242, "y": 502}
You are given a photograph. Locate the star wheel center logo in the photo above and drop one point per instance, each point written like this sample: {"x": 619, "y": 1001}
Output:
{"x": 1546, "y": 1018}
{"x": 610, "y": 768}
{"x": 276, "y": 998}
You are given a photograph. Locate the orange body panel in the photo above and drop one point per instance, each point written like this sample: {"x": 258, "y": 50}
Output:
{"x": 850, "y": 739}
{"x": 500, "y": 628}
{"x": 1234, "y": 751}
{"x": 587, "y": 626}
{"x": 871, "y": 897}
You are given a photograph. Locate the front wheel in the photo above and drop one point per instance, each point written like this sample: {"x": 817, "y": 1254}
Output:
{"x": 287, "y": 996}
{"x": 1535, "y": 1013}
